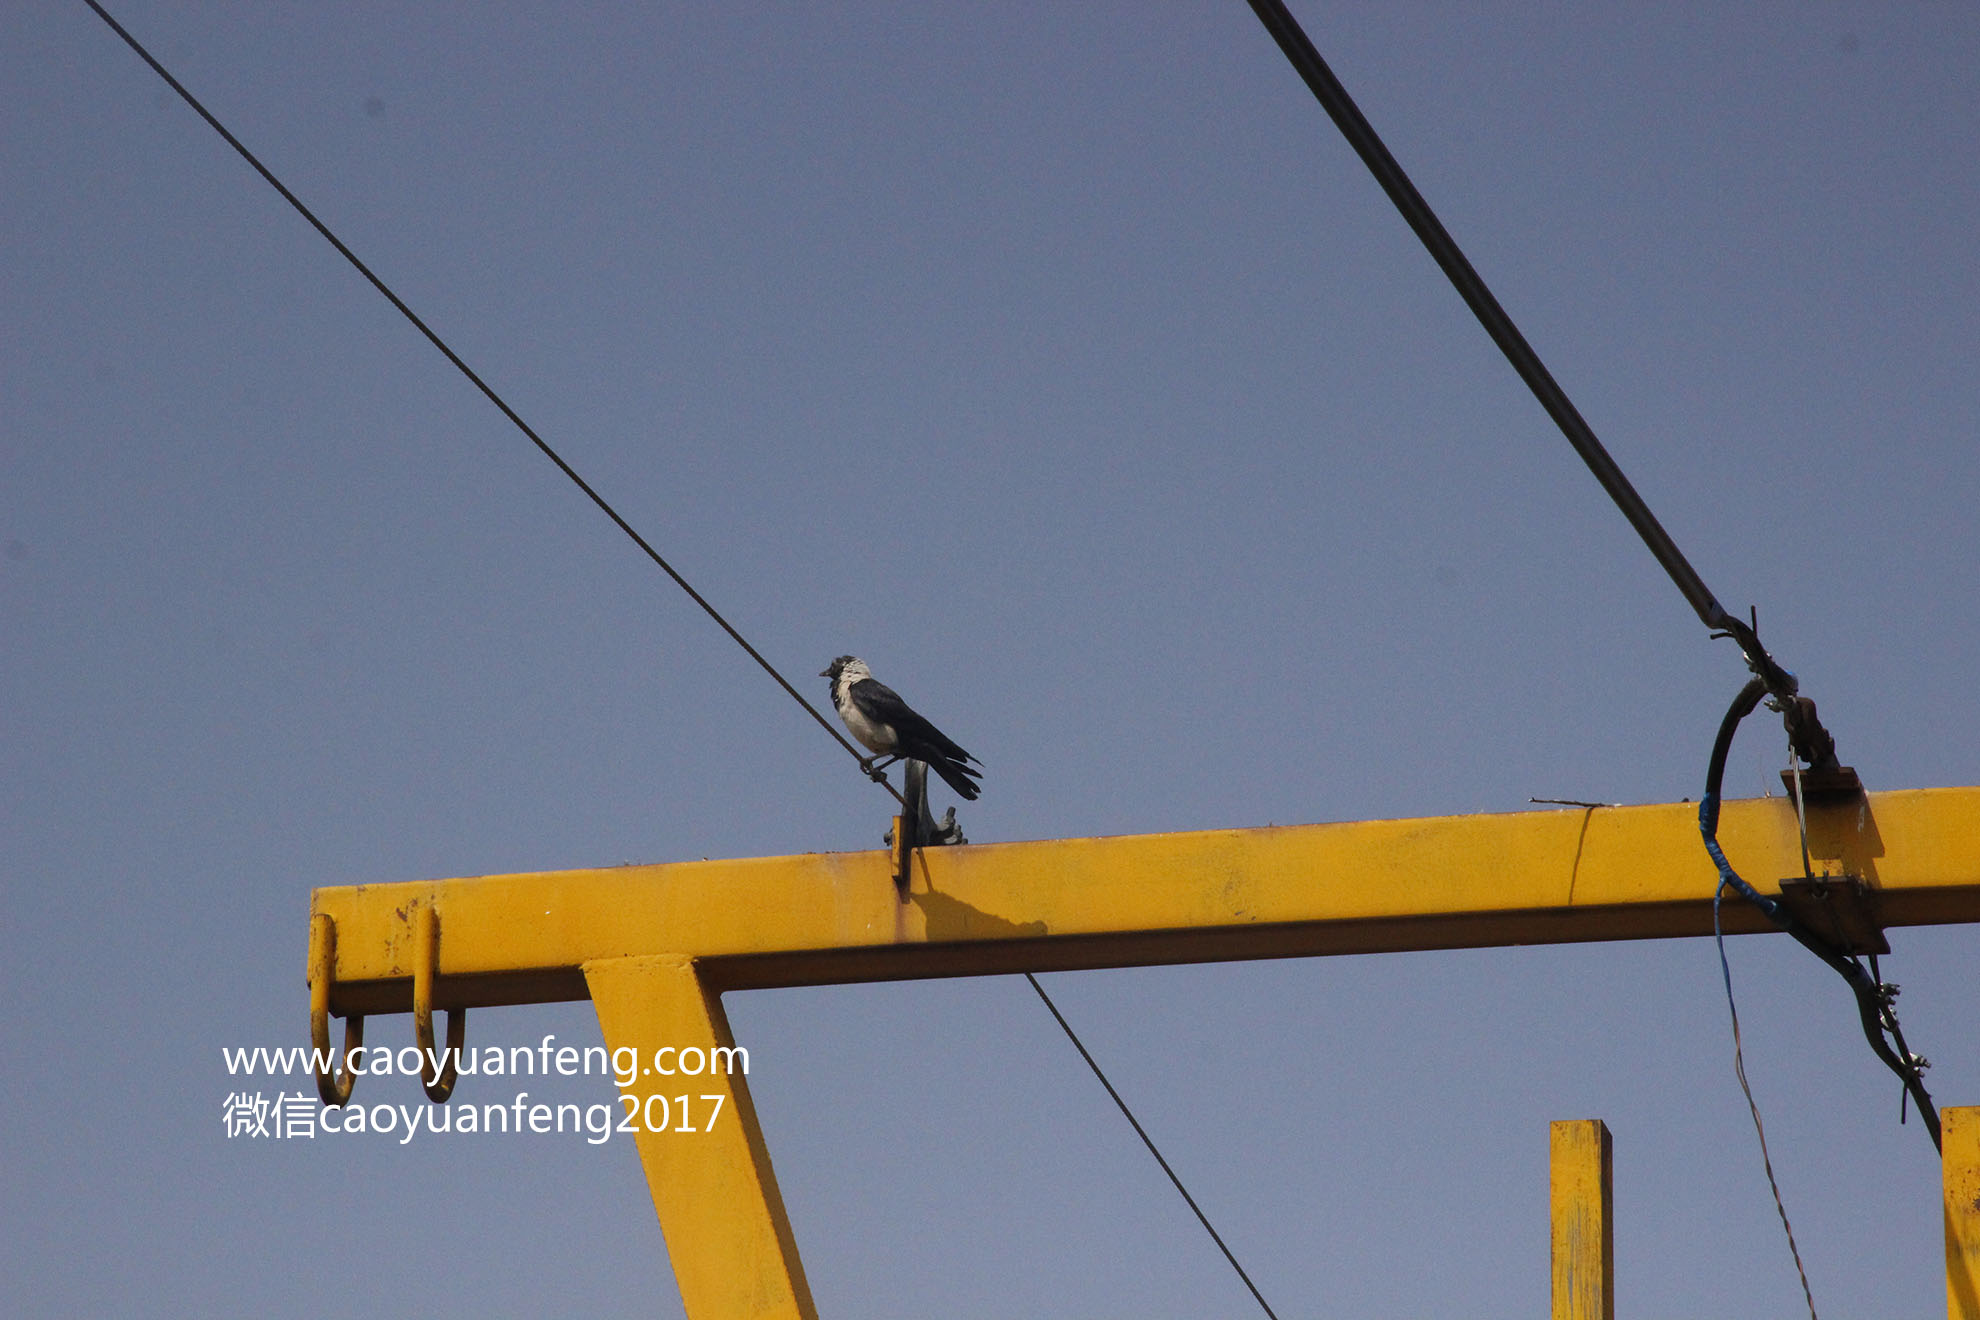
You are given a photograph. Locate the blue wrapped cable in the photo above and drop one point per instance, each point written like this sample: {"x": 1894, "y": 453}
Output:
{"x": 1873, "y": 997}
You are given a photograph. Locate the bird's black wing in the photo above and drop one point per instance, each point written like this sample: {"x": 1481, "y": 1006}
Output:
{"x": 880, "y": 703}
{"x": 914, "y": 736}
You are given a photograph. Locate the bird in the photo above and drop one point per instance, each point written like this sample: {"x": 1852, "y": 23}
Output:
{"x": 875, "y": 714}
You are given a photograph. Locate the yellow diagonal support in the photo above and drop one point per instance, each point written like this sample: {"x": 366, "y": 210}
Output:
{"x": 706, "y": 1165}
{"x": 1584, "y": 1234}
{"x": 1961, "y": 1134}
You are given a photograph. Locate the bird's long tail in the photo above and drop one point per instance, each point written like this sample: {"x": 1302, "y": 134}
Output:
{"x": 957, "y": 776}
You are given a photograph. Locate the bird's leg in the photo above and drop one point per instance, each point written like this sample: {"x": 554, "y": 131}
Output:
{"x": 876, "y": 768}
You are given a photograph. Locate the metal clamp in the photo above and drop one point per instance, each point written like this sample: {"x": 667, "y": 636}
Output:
{"x": 916, "y": 828}
{"x": 333, "y": 1082}
{"x": 1841, "y": 909}
{"x": 438, "y": 1081}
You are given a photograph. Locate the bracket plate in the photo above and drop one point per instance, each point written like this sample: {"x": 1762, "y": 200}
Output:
{"x": 1842, "y": 908}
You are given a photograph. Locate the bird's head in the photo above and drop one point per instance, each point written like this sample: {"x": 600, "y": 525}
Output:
{"x": 844, "y": 664}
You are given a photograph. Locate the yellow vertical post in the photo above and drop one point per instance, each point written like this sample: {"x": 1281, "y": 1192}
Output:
{"x": 1960, "y": 1138}
{"x": 1584, "y": 1236}
{"x": 707, "y": 1167}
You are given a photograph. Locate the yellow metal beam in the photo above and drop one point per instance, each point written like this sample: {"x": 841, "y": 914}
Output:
{"x": 1584, "y": 1235}
{"x": 699, "y": 1142}
{"x": 653, "y": 947}
{"x": 1961, "y": 1133}
{"x": 1452, "y": 882}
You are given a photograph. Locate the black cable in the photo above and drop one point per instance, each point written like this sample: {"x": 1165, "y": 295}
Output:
{"x": 1875, "y": 1009}
{"x": 1139, "y": 1131}
{"x": 482, "y": 385}
{"x": 1743, "y": 704}
{"x": 1443, "y": 249}
{"x": 1810, "y": 740}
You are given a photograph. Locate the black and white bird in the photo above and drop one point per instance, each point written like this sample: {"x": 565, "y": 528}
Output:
{"x": 888, "y": 726}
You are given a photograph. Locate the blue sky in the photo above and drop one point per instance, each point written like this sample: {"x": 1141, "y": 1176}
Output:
{"x": 1064, "y": 363}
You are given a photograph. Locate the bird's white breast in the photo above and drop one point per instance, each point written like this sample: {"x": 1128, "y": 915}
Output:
{"x": 875, "y": 736}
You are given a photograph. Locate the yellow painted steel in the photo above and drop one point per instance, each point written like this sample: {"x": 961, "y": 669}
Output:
{"x": 439, "y": 1069}
{"x": 1462, "y": 881}
{"x": 334, "y": 1082}
{"x": 1961, "y": 1134}
{"x": 654, "y": 946}
{"x": 1584, "y": 1235}
{"x": 720, "y": 1211}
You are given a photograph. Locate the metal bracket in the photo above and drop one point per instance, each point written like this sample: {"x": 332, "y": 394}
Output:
{"x": 1825, "y": 786}
{"x": 1839, "y": 908}
{"x": 915, "y": 827}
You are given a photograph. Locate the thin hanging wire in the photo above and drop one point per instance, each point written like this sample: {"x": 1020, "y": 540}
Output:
{"x": 1746, "y": 1089}
{"x": 486, "y": 389}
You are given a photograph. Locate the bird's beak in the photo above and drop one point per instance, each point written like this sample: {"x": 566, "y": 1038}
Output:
{"x": 826, "y": 672}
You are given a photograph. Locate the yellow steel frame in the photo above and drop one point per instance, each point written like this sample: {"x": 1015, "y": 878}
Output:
{"x": 1961, "y": 1130}
{"x": 1584, "y": 1230}
{"x": 655, "y": 946}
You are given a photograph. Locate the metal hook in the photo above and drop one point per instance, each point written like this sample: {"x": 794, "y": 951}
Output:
{"x": 439, "y": 1082}
{"x": 334, "y": 1083}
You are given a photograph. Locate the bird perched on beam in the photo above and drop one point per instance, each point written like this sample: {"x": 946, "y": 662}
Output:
{"x": 889, "y": 727}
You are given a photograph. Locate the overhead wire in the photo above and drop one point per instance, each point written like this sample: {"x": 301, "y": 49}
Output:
{"x": 1808, "y": 740}
{"x": 1300, "y": 52}
{"x": 1149, "y": 1142}
{"x": 486, "y": 389}
{"x": 563, "y": 466}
